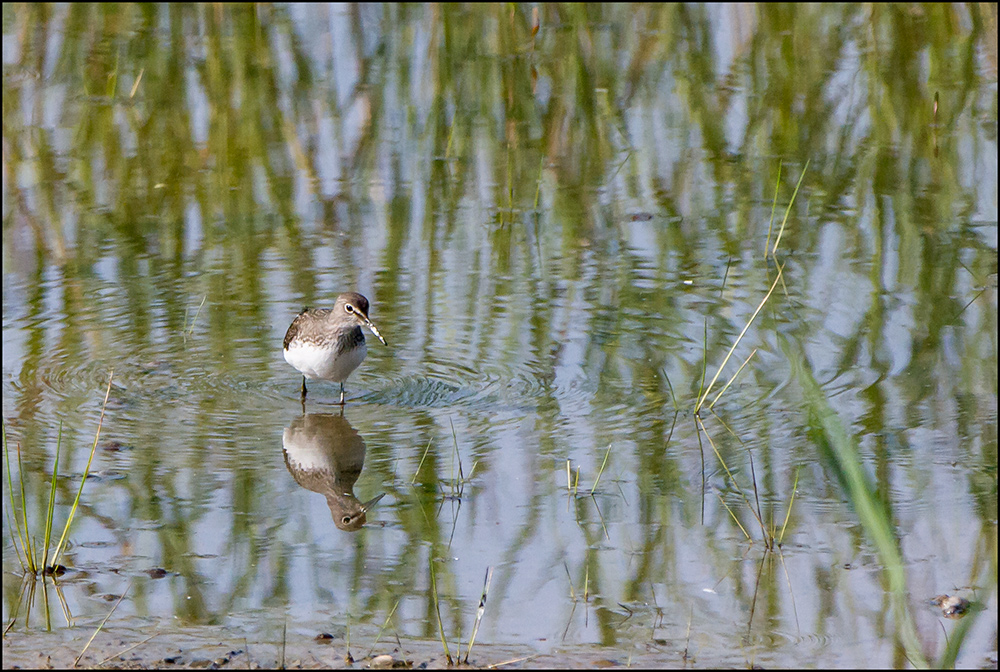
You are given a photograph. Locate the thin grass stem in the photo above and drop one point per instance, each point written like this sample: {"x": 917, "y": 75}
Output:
{"x": 83, "y": 481}
{"x": 726, "y": 386}
{"x": 781, "y": 229}
{"x": 569, "y": 578}
{"x": 190, "y": 332}
{"x": 704, "y": 366}
{"x": 437, "y": 610}
{"x": 788, "y": 514}
{"x": 124, "y": 651}
{"x": 739, "y": 338}
{"x": 13, "y": 542}
{"x": 726, "y": 467}
{"x": 284, "y": 642}
{"x": 135, "y": 86}
{"x": 385, "y": 624}
{"x": 29, "y": 551}
{"x": 601, "y": 471}
{"x": 52, "y": 498}
{"x": 101, "y": 626}
{"x": 671, "y": 388}
{"x": 733, "y": 515}
{"x": 774, "y": 205}
{"x": 414, "y": 479}
{"x": 480, "y": 611}
{"x": 10, "y": 494}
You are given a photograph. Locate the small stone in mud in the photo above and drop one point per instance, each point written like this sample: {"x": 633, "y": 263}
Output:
{"x": 113, "y": 446}
{"x": 55, "y": 570}
{"x": 952, "y": 606}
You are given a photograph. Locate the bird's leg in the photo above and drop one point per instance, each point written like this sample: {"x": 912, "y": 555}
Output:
{"x": 341, "y": 394}
{"x": 303, "y": 388}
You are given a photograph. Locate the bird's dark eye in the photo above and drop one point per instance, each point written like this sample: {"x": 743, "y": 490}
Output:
{"x": 346, "y": 520}
{"x": 349, "y": 308}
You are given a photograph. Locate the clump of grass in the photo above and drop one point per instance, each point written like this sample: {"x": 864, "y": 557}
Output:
{"x": 35, "y": 562}
{"x": 475, "y": 627}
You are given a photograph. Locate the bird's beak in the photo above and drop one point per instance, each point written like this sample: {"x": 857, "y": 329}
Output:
{"x": 370, "y": 503}
{"x": 374, "y": 330}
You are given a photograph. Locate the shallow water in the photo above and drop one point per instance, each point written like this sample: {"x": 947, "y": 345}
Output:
{"x": 555, "y": 234}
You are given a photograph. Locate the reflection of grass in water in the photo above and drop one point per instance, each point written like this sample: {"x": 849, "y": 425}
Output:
{"x": 35, "y": 564}
{"x": 770, "y": 542}
{"x": 768, "y": 535}
{"x": 840, "y": 452}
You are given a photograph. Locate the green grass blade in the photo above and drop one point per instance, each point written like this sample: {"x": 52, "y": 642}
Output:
{"x": 29, "y": 551}
{"x": 437, "y": 610}
{"x": 421, "y": 463}
{"x": 774, "y": 205}
{"x": 10, "y": 493}
{"x": 781, "y": 230}
{"x": 726, "y": 386}
{"x": 601, "y": 471}
{"x": 480, "y": 611}
{"x": 385, "y": 624}
{"x": 76, "y": 502}
{"x": 788, "y": 514}
{"x": 739, "y": 338}
{"x": 52, "y": 500}
{"x": 101, "y": 626}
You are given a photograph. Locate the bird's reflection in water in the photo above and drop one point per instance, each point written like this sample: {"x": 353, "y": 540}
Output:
{"x": 325, "y": 454}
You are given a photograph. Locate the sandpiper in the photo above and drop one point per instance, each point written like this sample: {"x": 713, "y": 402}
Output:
{"x": 328, "y": 343}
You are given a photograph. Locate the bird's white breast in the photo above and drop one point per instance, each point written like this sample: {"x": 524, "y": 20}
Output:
{"x": 317, "y": 362}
